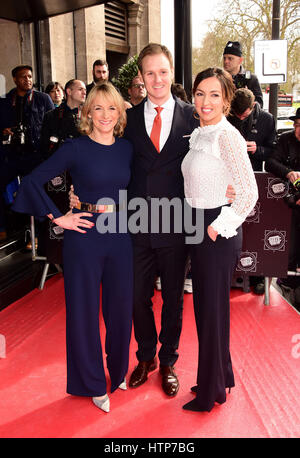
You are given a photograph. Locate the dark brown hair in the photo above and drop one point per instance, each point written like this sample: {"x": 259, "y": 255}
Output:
{"x": 225, "y": 80}
{"x": 242, "y": 100}
{"x": 100, "y": 62}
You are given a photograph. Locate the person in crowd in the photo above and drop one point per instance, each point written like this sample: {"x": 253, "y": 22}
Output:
{"x": 256, "y": 126}
{"x": 63, "y": 122}
{"x": 232, "y": 63}
{"x": 258, "y": 129}
{"x": 285, "y": 164}
{"x": 58, "y": 125}
{"x": 22, "y": 111}
{"x": 217, "y": 157}
{"x": 178, "y": 90}
{"x": 56, "y": 92}
{"x": 100, "y": 74}
{"x": 99, "y": 162}
{"x": 136, "y": 91}
{"x": 156, "y": 173}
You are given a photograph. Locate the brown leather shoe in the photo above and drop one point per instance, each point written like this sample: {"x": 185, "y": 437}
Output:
{"x": 140, "y": 373}
{"x": 170, "y": 383}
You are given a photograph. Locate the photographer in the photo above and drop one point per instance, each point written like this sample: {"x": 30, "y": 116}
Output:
{"x": 285, "y": 164}
{"x": 232, "y": 63}
{"x": 21, "y": 115}
{"x": 62, "y": 122}
{"x": 58, "y": 125}
{"x": 256, "y": 126}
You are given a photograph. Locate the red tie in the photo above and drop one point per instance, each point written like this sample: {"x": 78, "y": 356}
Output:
{"x": 156, "y": 128}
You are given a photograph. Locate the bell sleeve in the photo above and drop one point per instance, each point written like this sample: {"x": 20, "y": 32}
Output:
{"x": 32, "y": 197}
{"x": 241, "y": 176}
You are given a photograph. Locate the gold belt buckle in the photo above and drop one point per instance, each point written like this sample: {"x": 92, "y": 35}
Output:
{"x": 93, "y": 208}
{"x": 109, "y": 208}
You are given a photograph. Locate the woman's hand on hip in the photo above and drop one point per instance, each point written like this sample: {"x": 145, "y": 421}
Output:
{"x": 212, "y": 233}
{"x": 74, "y": 221}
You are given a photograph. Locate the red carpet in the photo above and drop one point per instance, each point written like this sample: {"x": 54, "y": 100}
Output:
{"x": 265, "y": 347}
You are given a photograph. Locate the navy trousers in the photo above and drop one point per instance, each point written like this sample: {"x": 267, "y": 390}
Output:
{"x": 89, "y": 260}
{"x": 212, "y": 265}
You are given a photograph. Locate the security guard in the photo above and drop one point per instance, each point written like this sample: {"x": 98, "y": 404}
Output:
{"x": 232, "y": 63}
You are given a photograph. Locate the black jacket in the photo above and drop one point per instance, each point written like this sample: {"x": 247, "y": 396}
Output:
{"x": 89, "y": 87}
{"x": 286, "y": 156}
{"x": 258, "y": 127}
{"x": 249, "y": 80}
{"x": 60, "y": 123}
{"x": 159, "y": 175}
{"x": 36, "y": 105}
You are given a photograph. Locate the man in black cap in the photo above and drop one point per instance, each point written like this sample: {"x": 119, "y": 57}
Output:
{"x": 285, "y": 164}
{"x": 232, "y": 62}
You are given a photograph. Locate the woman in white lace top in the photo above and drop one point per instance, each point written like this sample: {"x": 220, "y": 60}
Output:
{"x": 217, "y": 157}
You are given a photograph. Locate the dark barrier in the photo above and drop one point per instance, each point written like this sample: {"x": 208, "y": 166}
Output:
{"x": 265, "y": 233}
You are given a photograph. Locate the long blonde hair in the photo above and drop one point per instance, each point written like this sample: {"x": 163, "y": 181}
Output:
{"x": 109, "y": 92}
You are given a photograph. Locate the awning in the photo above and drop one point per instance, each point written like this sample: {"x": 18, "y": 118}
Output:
{"x": 34, "y": 10}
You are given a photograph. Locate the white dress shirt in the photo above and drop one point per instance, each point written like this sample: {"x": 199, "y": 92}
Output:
{"x": 166, "y": 118}
{"x": 218, "y": 157}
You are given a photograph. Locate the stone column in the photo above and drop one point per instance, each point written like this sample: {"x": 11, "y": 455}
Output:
{"x": 135, "y": 13}
{"x": 61, "y": 34}
{"x": 150, "y": 31}
{"x": 10, "y": 53}
{"x": 90, "y": 42}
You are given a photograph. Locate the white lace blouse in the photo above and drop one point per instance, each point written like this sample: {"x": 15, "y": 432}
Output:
{"x": 218, "y": 157}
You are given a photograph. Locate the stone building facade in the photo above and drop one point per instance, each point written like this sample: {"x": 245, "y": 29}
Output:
{"x": 65, "y": 46}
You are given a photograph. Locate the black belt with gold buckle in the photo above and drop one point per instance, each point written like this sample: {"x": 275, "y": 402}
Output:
{"x": 95, "y": 208}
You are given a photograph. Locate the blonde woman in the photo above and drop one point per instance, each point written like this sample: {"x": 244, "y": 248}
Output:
{"x": 99, "y": 163}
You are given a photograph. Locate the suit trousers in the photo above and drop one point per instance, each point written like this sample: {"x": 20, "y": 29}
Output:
{"x": 212, "y": 265}
{"x": 92, "y": 259}
{"x": 170, "y": 262}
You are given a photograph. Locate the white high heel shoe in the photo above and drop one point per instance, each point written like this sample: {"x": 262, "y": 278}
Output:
{"x": 102, "y": 404}
{"x": 123, "y": 385}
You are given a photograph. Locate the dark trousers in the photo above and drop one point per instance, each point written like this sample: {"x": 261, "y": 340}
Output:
{"x": 170, "y": 262}
{"x": 213, "y": 264}
{"x": 92, "y": 259}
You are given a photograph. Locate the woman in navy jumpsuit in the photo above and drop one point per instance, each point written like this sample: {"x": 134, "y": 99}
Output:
{"x": 99, "y": 164}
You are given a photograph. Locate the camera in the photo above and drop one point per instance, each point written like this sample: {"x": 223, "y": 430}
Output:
{"x": 18, "y": 137}
{"x": 241, "y": 79}
{"x": 19, "y": 134}
{"x": 294, "y": 194}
